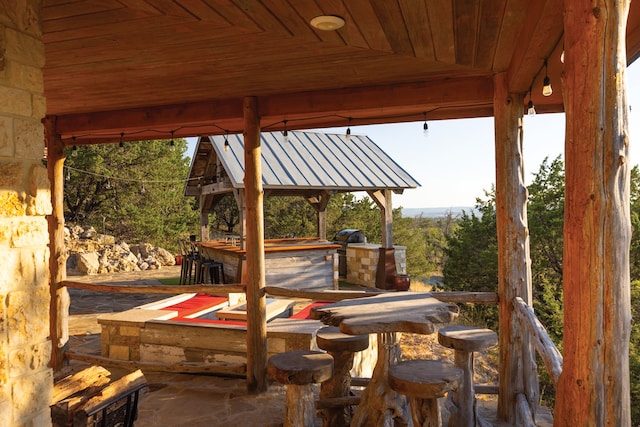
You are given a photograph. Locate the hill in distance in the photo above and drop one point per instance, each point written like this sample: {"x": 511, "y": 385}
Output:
{"x": 435, "y": 212}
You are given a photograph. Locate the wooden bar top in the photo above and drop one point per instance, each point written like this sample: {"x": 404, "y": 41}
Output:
{"x": 274, "y": 245}
{"x": 415, "y": 312}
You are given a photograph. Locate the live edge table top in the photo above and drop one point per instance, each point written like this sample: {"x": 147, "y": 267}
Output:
{"x": 414, "y": 312}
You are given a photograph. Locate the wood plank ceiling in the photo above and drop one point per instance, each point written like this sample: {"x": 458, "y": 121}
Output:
{"x": 145, "y": 68}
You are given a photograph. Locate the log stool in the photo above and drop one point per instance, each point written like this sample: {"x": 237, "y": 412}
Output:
{"x": 342, "y": 348}
{"x": 299, "y": 370}
{"x": 464, "y": 340}
{"x": 423, "y": 382}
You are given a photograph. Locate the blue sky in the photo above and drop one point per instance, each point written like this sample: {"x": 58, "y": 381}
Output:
{"x": 454, "y": 163}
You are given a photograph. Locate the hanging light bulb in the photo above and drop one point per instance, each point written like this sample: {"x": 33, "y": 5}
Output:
{"x": 425, "y": 126}
{"x": 531, "y": 110}
{"x": 74, "y": 151}
{"x": 121, "y": 144}
{"x": 226, "y": 142}
{"x": 285, "y": 134}
{"x": 172, "y": 143}
{"x": 546, "y": 84}
{"x": 348, "y": 134}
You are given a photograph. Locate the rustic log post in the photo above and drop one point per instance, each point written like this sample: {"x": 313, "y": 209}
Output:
{"x": 593, "y": 388}
{"x": 239, "y": 195}
{"x": 59, "y": 303}
{"x": 383, "y": 198}
{"x": 255, "y": 278}
{"x": 518, "y": 371}
{"x": 204, "y": 221}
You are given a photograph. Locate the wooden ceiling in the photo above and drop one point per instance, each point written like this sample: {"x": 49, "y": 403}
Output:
{"x": 140, "y": 69}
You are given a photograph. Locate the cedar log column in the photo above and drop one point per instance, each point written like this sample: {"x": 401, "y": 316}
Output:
{"x": 517, "y": 370}
{"x": 59, "y": 303}
{"x": 254, "y": 280}
{"x": 593, "y": 388}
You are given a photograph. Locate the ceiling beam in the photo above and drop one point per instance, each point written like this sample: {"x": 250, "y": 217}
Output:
{"x": 440, "y": 99}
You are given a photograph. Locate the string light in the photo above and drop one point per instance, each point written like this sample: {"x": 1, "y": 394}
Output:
{"x": 425, "y": 126}
{"x": 285, "y": 134}
{"x": 546, "y": 84}
{"x": 121, "y": 144}
{"x": 172, "y": 143}
{"x": 74, "y": 151}
{"x": 348, "y": 134}
{"x": 531, "y": 110}
{"x": 226, "y": 141}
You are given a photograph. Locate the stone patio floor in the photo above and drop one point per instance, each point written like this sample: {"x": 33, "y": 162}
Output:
{"x": 177, "y": 400}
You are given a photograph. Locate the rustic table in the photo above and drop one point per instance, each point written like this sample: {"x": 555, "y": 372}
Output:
{"x": 386, "y": 314}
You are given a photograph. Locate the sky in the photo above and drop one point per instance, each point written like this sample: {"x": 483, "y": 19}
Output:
{"x": 454, "y": 163}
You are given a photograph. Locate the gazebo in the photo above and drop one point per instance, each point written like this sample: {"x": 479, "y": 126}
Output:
{"x": 312, "y": 165}
{"x": 91, "y": 72}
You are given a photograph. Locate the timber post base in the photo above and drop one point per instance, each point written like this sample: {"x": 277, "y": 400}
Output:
{"x": 342, "y": 348}
{"x": 423, "y": 382}
{"x": 465, "y": 340}
{"x": 298, "y": 371}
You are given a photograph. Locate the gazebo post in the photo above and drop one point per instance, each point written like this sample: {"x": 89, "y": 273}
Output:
{"x": 593, "y": 388}
{"x": 204, "y": 221}
{"x": 386, "y": 259}
{"x": 517, "y": 366}
{"x": 255, "y": 278}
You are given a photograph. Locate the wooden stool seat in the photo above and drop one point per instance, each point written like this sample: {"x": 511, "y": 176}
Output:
{"x": 424, "y": 381}
{"x": 464, "y": 340}
{"x": 329, "y": 338}
{"x": 299, "y": 370}
{"x": 467, "y": 338}
{"x": 342, "y": 348}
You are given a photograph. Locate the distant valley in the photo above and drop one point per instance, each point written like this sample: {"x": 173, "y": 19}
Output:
{"x": 435, "y": 212}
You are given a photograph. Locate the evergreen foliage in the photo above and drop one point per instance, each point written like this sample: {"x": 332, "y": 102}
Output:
{"x": 134, "y": 193}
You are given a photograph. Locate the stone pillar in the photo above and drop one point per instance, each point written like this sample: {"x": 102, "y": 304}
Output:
{"x": 26, "y": 381}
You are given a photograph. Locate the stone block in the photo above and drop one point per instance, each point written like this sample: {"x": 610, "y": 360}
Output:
{"x": 25, "y": 77}
{"x": 39, "y": 196}
{"x": 24, "y": 49}
{"x": 119, "y": 352}
{"x": 30, "y": 358}
{"x": 29, "y": 139}
{"x": 30, "y": 232}
{"x": 11, "y": 204}
{"x": 11, "y": 175}
{"x": 129, "y": 331}
{"x": 6, "y": 138}
{"x": 30, "y": 394}
{"x": 27, "y": 317}
{"x": 16, "y": 101}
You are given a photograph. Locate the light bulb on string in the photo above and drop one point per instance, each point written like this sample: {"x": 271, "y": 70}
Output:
{"x": 425, "y": 126}
{"x": 226, "y": 141}
{"x": 172, "y": 143}
{"x": 285, "y": 134}
{"x": 121, "y": 144}
{"x": 546, "y": 83}
{"x": 74, "y": 151}
{"x": 348, "y": 133}
{"x": 531, "y": 110}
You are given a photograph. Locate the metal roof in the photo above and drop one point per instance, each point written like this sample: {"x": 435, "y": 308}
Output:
{"x": 310, "y": 160}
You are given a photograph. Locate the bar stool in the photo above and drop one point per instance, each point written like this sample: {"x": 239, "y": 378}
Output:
{"x": 186, "y": 269}
{"x": 298, "y": 370}
{"x": 342, "y": 348}
{"x": 423, "y": 382}
{"x": 464, "y": 340}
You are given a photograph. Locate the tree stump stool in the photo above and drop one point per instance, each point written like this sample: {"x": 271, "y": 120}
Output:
{"x": 299, "y": 370}
{"x": 423, "y": 382}
{"x": 342, "y": 348}
{"x": 464, "y": 340}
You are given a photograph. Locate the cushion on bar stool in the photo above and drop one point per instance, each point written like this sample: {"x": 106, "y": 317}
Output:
{"x": 424, "y": 381}
{"x": 298, "y": 370}
{"x": 342, "y": 347}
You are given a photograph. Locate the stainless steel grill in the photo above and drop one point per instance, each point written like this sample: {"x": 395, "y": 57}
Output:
{"x": 343, "y": 238}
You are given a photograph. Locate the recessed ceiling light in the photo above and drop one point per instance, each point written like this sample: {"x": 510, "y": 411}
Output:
{"x": 327, "y": 22}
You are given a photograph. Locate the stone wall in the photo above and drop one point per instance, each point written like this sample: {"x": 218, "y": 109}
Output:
{"x": 362, "y": 262}
{"x": 25, "y": 379}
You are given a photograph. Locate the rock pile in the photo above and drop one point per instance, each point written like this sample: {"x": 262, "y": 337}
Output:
{"x": 94, "y": 253}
